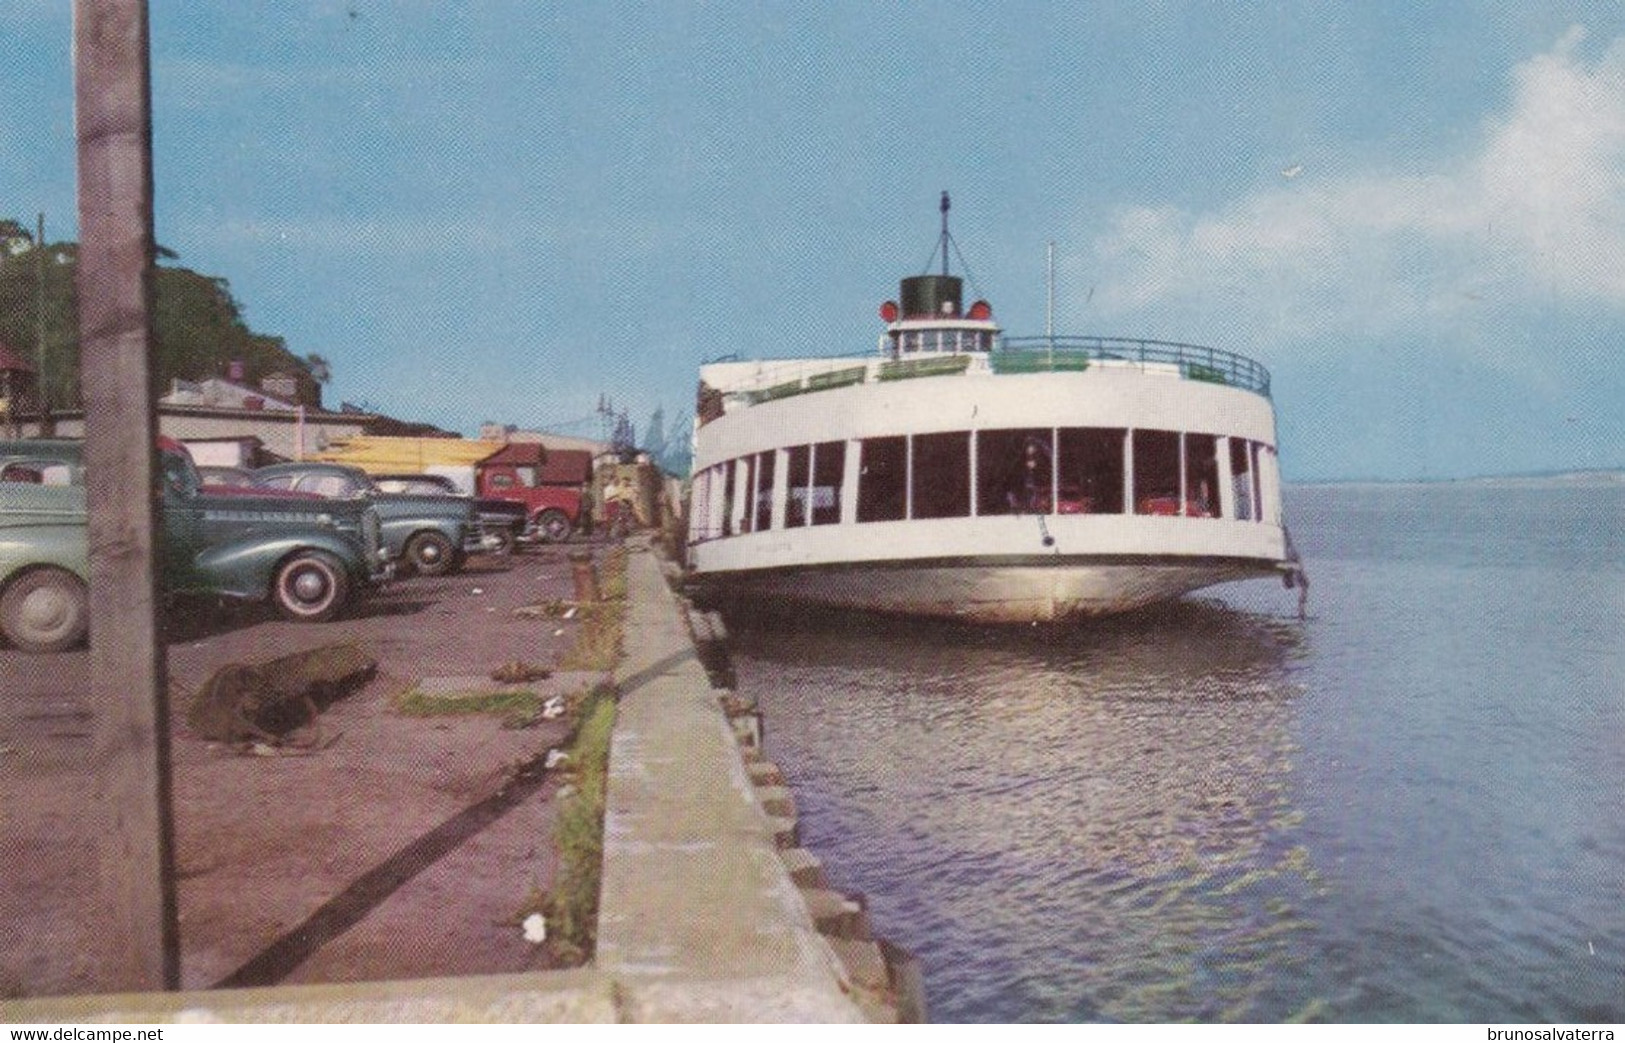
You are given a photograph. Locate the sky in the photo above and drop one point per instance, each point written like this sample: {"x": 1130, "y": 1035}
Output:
{"x": 1412, "y": 214}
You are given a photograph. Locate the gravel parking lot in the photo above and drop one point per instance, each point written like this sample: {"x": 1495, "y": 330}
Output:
{"x": 401, "y": 847}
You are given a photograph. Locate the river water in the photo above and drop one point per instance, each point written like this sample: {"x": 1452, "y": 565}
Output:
{"x": 1409, "y": 807}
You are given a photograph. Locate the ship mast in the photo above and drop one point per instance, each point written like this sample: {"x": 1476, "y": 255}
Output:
{"x": 944, "y": 232}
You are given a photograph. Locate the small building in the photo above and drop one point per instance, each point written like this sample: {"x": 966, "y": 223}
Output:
{"x": 226, "y": 394}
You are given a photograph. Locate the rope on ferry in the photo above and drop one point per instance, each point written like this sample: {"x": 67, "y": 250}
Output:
{"x": 1043, "y": 528}
{"x": 1295, "y": 575}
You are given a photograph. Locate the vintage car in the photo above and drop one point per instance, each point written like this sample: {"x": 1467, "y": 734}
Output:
{"x": 429, "y": 535}
{"x": 504, "y": 519}
{"x": 309, "y": 559}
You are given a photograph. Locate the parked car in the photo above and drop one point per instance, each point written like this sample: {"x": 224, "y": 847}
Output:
{"x": 309, "y": 564}
{"x": 504, "y": 519}
{"x": 431, "y": 535}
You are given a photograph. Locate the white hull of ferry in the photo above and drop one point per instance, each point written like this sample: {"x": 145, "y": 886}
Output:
{"x": 980, "y": 592}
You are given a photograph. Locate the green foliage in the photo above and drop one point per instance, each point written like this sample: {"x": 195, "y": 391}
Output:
{"x": 198, "y": 326}
{"x": 572, "y": 908}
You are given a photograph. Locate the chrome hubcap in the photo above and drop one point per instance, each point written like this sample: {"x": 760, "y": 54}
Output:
{"x": 46, "y": 609}
{"x": 310, "y": 585}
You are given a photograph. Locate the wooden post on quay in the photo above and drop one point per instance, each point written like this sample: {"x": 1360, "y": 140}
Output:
{"x": 584, "y": 575}
{"x": 112, "y": 97}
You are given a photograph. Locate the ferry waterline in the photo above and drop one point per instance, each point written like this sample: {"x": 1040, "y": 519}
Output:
{"x": 960, "y": 473}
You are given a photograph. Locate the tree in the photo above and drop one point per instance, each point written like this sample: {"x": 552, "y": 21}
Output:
{"x": 321, "y": 371}
{"x": 198, "y": 326}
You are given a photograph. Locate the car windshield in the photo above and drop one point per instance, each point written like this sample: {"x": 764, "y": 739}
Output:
{"x": 226, "y": 476}
{"x": 179, "y": 473}
{"x": 417, "y": 486}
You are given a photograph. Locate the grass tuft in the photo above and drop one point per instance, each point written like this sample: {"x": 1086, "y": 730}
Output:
{"x": 578, "y": 831}
{"x": 416, "y": 704}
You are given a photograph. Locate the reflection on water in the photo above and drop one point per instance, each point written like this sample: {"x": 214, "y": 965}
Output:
{"x": 1063, "y": 823}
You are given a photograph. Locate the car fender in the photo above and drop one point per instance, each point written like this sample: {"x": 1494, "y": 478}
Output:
{"x": 29, "y": 546}
{"x": 245, "y": 568}
{"x": 398, "y": 534}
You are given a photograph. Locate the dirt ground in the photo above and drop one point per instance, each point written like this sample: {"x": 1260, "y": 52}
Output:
{"x": 403, "y": 847}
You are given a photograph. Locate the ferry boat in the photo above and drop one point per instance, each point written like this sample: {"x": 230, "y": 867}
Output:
{"x": 957, "y": 472}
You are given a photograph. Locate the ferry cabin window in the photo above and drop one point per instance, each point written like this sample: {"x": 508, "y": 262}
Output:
{"x": 829, "y": 471}
{"x": 882, "y": 471}
{"x": 745, "y": 474}
{"x": 700, "y": 507}
{"x": 728, "y": 497}
{"x": 1090, "y": 463}
{"x": 764, "y": 489}
{"x": 1156, "y": 472}
{"x": 941, "y": 475}
{"x": 1241, "y": 479}
{"x": 1014, "y": 471}
{"x": 799, "y": 475}
{"x": 714, "y": 518}
{"x": 1201, "y": 476}
{"x": 1256, "y": 449}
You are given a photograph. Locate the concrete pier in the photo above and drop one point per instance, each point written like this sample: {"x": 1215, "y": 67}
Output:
{"x": 699, "y": 918}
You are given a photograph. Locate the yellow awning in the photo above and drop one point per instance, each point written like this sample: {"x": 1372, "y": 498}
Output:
{"x": 378, "y": 454}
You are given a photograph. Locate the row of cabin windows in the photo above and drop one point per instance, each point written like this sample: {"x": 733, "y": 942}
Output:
{"x": 957, "y": 474}
{"x": 936, "y": 341}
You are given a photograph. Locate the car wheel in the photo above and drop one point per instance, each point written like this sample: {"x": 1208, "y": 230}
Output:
{"x": 45, "y": 610}
{"x": 311, "y": 587}
{"x": 430, "y": 554}
{"x": 554, "y": 526}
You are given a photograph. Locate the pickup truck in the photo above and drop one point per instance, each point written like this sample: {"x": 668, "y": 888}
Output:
{"x": 309, "y": 560}
{"x": 549, "y": 484}
{"x": 431, "y": 535}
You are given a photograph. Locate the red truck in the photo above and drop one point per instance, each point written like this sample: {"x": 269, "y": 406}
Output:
{"x": 550, "y": 483}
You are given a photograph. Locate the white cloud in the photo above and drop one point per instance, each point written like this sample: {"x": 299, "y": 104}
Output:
{"x": 1535, "y": 213}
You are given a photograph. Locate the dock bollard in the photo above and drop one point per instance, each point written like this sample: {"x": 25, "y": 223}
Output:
{"x": 585, "y": 575}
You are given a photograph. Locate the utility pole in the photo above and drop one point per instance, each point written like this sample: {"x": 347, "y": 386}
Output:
{"x": 128, "y": 686}
{"x": 42, "y": 386}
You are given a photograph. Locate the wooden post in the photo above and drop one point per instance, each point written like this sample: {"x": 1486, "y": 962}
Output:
{"x": 112, "y": 97}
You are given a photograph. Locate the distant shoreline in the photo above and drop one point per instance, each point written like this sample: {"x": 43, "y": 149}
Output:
{"x": 1599, "y": 479}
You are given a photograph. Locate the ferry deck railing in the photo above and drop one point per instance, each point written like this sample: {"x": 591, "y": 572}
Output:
{"x": 1013, "y": 355}
{"x": 1195, "y": 361}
